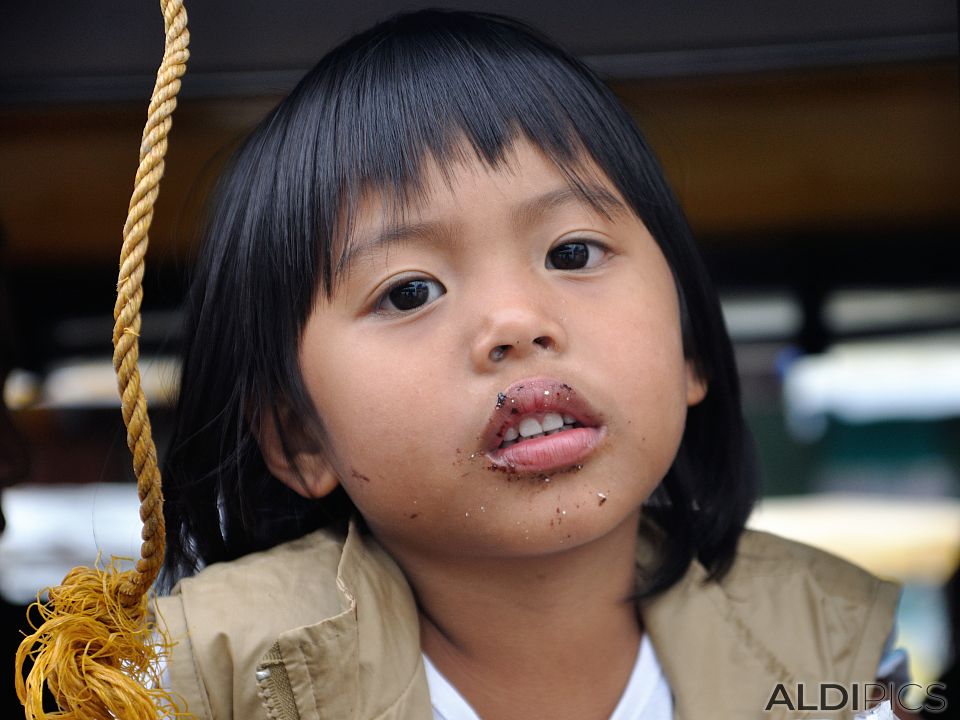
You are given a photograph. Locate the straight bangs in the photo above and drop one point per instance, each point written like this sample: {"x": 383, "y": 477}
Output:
{"x": 446, "y": 88}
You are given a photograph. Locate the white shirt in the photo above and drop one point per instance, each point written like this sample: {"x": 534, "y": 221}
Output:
{"x": 646, "y": 696}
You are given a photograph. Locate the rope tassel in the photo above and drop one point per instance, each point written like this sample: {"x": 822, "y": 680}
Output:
{"x": 95, "y": 648}
{"x": 97, "y": 656}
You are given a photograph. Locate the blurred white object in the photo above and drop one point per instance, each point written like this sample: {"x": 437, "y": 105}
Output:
{"x": 864, "y": 309}
{"x": 761, "y": 316}
{"x": 871, "y": 381}
{"x": 53, "y": 528}
{"x": 21, "y": 389}
{"x": 93, "y": 383}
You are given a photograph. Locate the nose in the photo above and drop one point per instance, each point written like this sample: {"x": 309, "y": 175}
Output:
{"x": 516, "y": 326}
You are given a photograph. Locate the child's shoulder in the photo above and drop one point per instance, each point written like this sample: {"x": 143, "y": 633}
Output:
{"x": 785, "y": 613}
{"x": 774, "y": 564}
{"x": 270, "y": 584}
{"x": 320, "y": 546}
{"x": 299, "y": 599}
{"x": 297, "y": 583}
{"x": 790, "y": 592}
{"x": 772, "y": 577}
{"x": 811, "y": 608}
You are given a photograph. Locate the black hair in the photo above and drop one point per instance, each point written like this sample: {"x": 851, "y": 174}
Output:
{"x": 426, "y": 84}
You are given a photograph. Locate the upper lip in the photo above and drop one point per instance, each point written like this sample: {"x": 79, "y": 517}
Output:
{"x": 535, "y": 395}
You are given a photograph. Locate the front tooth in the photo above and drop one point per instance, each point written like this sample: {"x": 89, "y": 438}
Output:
{"x": 529, "y": 427}
{"x": 569, "y": 419}
{"x": 552, "y": 421}
{"x": 510, "y": 434}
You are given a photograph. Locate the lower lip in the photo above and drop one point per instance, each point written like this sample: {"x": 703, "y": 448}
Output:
{"x": 551, "y": 452}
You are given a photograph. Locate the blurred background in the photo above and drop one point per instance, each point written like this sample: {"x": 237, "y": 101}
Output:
{"x": 815, "y": 147}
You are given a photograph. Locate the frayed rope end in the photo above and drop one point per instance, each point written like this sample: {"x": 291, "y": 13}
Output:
{"x": 97, "y": 650}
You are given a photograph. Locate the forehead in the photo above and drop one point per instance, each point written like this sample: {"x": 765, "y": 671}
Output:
{"x": 523, "y": 180}
{"x": 521, "y": 167}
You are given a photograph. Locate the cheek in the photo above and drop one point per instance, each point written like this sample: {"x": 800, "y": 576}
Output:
{"x": 653, "y": 369}
{"x": 650, "y": 375}
{"x": 640, "y": 333}
{"x": 381, "y": 417}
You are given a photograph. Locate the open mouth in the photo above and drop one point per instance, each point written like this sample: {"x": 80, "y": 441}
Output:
{"x": 541, "y": 424}
{"x": 537, "y": 425}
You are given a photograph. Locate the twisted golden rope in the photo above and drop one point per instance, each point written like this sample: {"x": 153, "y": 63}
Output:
{"x": 96, "y": 649}
{"x": 126, "y": 312}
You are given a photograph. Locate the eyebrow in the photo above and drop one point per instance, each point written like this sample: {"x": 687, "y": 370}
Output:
{"x": 596, "y": 197}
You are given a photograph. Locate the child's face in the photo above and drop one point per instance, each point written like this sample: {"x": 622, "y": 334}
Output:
{"x": 505, "y": 279}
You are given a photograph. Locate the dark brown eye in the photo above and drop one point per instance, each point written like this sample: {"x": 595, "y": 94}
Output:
{"x": 569, "y": 256}
{"x": 409, "y": 295}
{"x": 576, "y": 255}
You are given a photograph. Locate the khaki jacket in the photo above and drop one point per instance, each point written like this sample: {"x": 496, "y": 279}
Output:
{"x": 270, "y": 636}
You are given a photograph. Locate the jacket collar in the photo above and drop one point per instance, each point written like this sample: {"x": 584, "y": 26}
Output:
{"x": 364, "y": 661}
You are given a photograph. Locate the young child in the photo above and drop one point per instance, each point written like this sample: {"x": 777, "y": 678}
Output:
{"x": 459, "y": 429}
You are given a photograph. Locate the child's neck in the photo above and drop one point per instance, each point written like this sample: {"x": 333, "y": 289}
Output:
{"x": 557, "y": 639}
